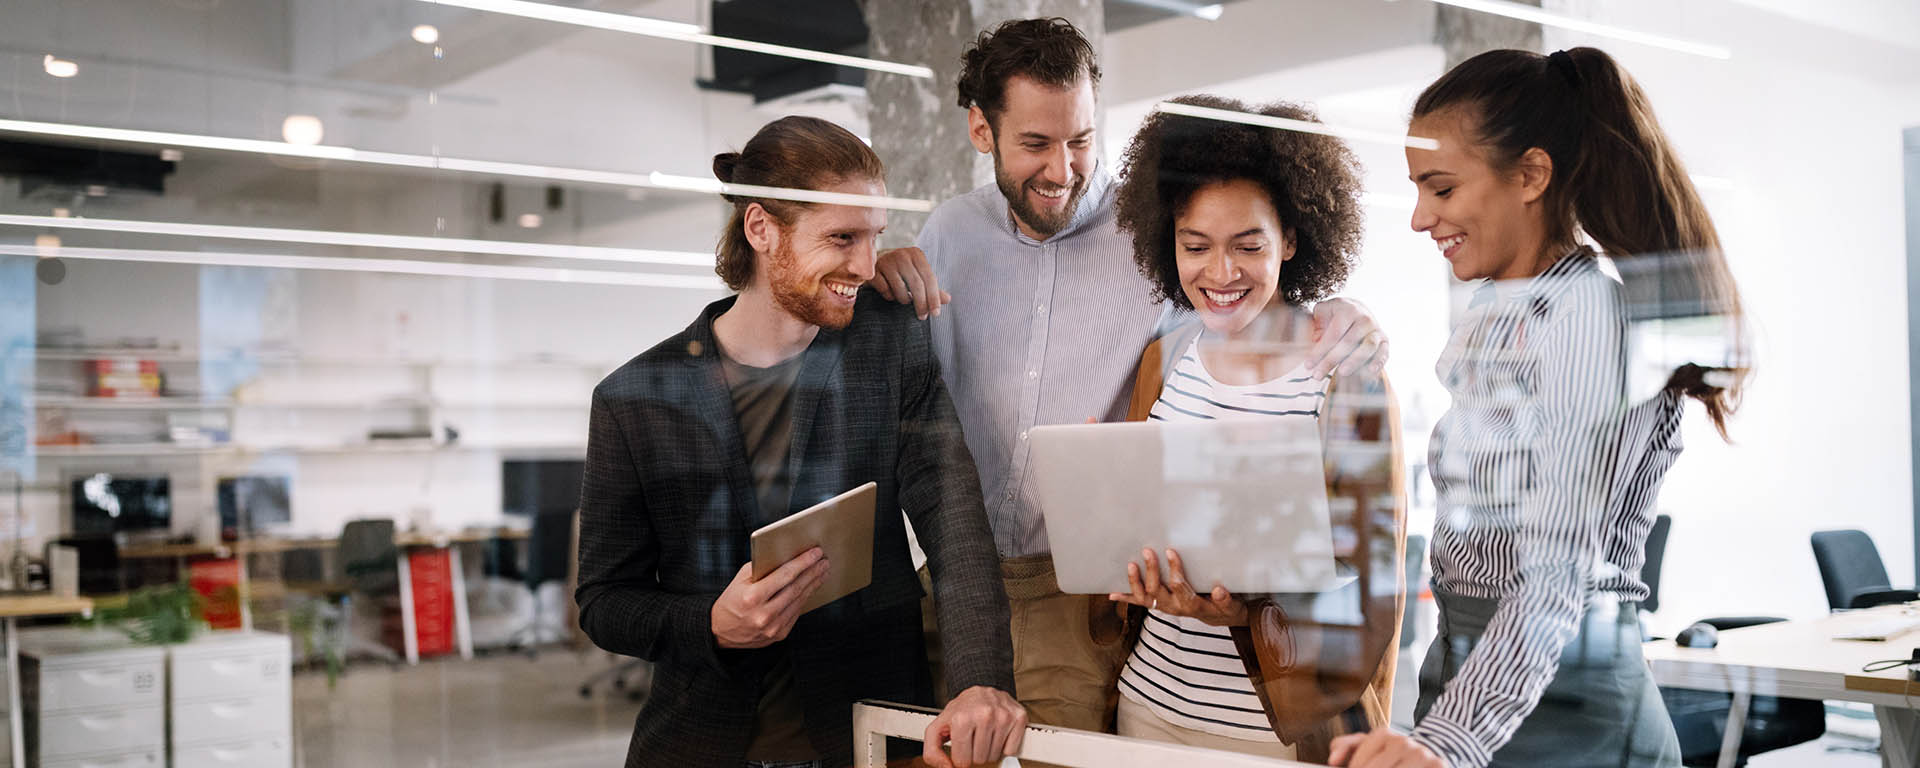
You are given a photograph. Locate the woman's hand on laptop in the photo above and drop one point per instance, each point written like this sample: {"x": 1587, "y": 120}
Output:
{"x": 1174, "y": 596}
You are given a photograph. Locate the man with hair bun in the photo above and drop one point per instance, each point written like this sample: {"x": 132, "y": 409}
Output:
{"x": 1047, "y": 325}
{"x": 797, "y": 389}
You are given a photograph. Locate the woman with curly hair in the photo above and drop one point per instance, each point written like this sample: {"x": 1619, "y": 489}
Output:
{"x": 1241, "y": 227}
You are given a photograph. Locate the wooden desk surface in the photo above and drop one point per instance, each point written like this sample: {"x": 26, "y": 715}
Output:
{"x": 1795, "y": 658}
{"x": 43, "y": 605}
{"x": 276, "y": 544}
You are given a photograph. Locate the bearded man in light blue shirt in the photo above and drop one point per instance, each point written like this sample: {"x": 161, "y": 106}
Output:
{"x": 1047, "y": 323}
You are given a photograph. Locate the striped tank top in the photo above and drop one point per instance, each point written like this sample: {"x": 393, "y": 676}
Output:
{"x": 1185, "y": 671}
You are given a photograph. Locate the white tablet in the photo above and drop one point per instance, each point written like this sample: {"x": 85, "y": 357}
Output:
{"x": 1244, "y": 502}
{"x": 842, "y": 527}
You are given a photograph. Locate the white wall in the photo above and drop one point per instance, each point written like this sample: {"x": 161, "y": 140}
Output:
{"x": 1806, "y": 122}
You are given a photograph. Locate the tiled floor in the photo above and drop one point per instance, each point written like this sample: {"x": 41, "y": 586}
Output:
{"x": 510, "y": 711}
{"x": 505, "y": 711}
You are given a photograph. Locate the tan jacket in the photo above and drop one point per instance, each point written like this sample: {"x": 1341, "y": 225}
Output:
{"x": 1317, "y": 681}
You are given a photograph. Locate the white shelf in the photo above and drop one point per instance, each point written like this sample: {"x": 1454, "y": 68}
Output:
{"x": 281, "y": 359}
{"x": 136, "y": 450}
{"x": 129, "y": 403}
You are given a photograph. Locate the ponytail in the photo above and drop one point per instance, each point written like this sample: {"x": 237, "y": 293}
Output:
{"x": 1615, "y": 178}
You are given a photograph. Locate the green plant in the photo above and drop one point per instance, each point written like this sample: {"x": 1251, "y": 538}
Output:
{"x": 315, "y": 625}
{"x": 159, "y": 615}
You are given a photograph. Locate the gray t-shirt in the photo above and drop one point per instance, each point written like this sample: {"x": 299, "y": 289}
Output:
{"x": 763, "y": 405}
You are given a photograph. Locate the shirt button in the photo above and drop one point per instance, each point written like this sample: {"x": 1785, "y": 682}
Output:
{"x": 1040, "y": 310}
{"x": 1009, "y": 495}
{"x": 1023, "y": 434}
{"x": 1033, "y": 374}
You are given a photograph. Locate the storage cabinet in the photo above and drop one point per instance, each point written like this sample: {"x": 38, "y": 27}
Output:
{"x": 230, "y": 696}
{"x": 92, "y": 699}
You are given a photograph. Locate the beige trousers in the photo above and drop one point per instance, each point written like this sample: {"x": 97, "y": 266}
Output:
{"x": 1060, "y": 674}
{"x": 1136, "y": 721}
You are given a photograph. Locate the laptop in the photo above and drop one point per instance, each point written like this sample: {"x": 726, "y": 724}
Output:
{"x": 1243, "y": 501}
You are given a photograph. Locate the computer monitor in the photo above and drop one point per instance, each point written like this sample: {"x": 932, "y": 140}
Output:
{"x": 534, "y": 487}
{"x": 253, "y": 504}
{"x": 105, "y": 504}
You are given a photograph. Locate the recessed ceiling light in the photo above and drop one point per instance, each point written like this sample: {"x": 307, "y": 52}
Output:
{"x": 59, "y": 67}
{"x": 426, "y": 34}
{"x": 530, "y": 220}
{"x": 171, "y": 155}
{"x": 304, "y": 130}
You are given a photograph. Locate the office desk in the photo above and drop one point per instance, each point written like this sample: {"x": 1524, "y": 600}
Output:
{"x": 463, "y": 631}
{"x": 12, "y": 608}
{"x": 1801, "y": 659}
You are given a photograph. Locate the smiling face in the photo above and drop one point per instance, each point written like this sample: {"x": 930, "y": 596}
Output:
{"x": 1230, "y": 245}
{"x": 1042, "y": 146}
{"x": 1488, "y": 223}
{"x": 814, "y": 268}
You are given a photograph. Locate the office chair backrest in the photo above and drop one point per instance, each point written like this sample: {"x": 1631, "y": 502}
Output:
{"x": 369, "y": 556}
{"x": 1416, "y": 559}
{"x": 1656, "y": 556}
{"x": 1849, "y": 565}
{"x": 547, "y": 547}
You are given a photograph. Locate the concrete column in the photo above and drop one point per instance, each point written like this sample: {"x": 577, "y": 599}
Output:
{"x": 1464, "y": 34}
{"x": 916, "y": 124}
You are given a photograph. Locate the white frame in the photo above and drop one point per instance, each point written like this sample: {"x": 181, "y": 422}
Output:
{"x": 874, "y": 721}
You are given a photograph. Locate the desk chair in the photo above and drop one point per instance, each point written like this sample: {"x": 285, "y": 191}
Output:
{"x": 1851, "y": 570}
{"x": 547, "y": 550}
{"x": 370, "y": 561}
{"x": 1700, "y": 717}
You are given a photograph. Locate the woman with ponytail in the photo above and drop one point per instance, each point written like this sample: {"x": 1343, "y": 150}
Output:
{"x": 1546, "y": 469}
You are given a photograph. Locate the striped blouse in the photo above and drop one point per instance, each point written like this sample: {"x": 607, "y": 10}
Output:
{"x": 1184, "y": 670}
{"x": 1546, "y": 479}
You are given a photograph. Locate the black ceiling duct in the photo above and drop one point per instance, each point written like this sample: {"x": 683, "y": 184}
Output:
{"x": 62, "y": 167}
{"x": 833, "y": 26}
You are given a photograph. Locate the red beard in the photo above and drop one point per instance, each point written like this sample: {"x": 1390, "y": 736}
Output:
{"x": 803, "y": 296}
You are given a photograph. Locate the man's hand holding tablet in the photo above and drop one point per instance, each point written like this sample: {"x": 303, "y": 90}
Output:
{"x": 756, "y": 614}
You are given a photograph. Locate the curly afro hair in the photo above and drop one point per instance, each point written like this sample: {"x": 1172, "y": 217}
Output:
{"x": 1313, "y": 181}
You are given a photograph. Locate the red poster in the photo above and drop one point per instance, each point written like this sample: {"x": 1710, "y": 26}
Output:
{"x": 218, "y": 582}
{"x": 432, "y": 574}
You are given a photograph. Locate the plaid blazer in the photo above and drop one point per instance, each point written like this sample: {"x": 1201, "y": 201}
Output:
{"x": 667, "y": 506}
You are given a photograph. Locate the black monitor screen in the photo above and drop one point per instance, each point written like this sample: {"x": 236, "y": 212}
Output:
{"x": 530, "y": 488}
{"x": 252, "y": 502}
{"x": 106, "y": 504}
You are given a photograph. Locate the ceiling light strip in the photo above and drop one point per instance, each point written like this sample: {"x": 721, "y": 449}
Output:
{"x": 456, "y": 164}
{"x": 1549, "y": 18}
{"x": 699, "y": 184}
{"x": 385, "y": 266}
{"x": 672, "y": 30}
{"x": 1303, "y": 126}
{"x": 368, "y": 240}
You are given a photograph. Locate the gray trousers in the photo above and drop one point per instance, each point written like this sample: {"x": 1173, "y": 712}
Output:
{"x": 1602, "y": 708}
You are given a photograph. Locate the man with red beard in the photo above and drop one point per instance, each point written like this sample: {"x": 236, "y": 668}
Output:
{"x": 797, "y": 389}
{"x": 1048, "y": 321}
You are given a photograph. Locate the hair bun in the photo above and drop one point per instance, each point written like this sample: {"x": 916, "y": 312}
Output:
{"x": 724, "y": 165}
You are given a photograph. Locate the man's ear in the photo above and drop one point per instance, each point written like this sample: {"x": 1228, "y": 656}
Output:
{"x": 1536, "y": 172}
{"x": 979, "y": 130}
{"x": 763, "y": 233}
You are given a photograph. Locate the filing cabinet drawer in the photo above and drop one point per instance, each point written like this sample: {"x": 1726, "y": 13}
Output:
{"x": 148, "y": 758}
{"x": 276, "y": 752}
{"x": 68, "y": 734}
{"x": 231, "y": 717}
{"x": 230, "y": 676}
{"x": 62, "y": 688}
